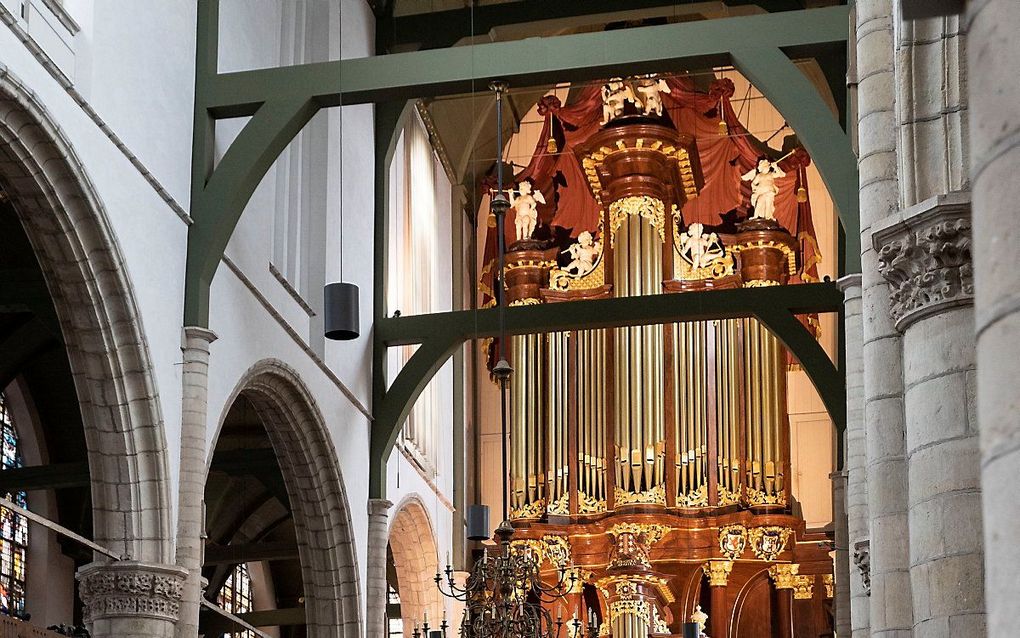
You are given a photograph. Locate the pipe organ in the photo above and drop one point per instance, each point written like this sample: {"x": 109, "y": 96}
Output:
{"x": 664, "y": 449}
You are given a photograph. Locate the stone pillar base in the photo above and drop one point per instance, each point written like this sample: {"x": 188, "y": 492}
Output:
{"x": 130, "y": 599}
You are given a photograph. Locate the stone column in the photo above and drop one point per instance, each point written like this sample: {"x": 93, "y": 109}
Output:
{"x": 130, "y": 599}
{"x": 378, "y": 539}
{"x": 890, "y": 601}
{"x": 853, "y": 615}
{"x": 191, "y": 498}
{"x": 784, "y": 579}
{"x": 841, "y": 564}
{"x": 994, "y": 97}
{"x": 926, "y": 257}
{"x": 718, "y": 576}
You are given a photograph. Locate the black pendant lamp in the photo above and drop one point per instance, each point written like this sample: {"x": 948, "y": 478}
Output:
{"x": 341, "y": 309}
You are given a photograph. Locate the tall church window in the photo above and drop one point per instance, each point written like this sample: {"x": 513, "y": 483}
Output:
{"x": 413, "y": 283}
{"x": 235, "y": 596}
{"x": 13, "y": 527}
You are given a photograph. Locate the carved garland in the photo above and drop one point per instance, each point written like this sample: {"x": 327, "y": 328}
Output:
{"x": 645, "y": 206}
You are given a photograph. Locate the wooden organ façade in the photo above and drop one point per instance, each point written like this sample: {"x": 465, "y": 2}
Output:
{"x": 655, "y": 460}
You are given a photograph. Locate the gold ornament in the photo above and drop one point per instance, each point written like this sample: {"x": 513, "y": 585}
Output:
{"x": 784, "y": 575}
{"x": 768, "y": 543}
{"x": 732, "y": 541}
{"x": 718, "y": 572}
{"x": 724, "y": 130}
{"x": 551, "y": 146}
{"x": 801, "y": 194}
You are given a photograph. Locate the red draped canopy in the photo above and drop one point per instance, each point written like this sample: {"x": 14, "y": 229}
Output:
{"x": 724, "y": 156}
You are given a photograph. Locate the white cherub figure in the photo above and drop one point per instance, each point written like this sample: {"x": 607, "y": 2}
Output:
{"x": 526, "y": 206}
{"x": 764, "y": 188}
{"x": 698, "y": 248}
{"x": 615, "y": 95}
{"x": 584, "y": 253}
{"x": 649, "y": 90}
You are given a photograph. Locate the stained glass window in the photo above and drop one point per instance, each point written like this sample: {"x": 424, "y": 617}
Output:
{"x": 13, "y": 527}
{"x": 396, "y": 623}
{"x": 235, "y": 596}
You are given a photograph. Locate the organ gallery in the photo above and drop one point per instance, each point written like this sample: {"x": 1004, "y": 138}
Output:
{"x": 653, "y": 463}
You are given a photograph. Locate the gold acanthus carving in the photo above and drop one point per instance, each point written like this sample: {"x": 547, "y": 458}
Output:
{"x": 528, "y": 263}
{"x": 728, "y": 497}
{"x": 654, "y": 496}
{"x": 768, "y": 543}
{"x": 560, "y": 505}
{"x": 718, "y": 572}
{"x": 589, "y": 504}
{"x": 827, "y": 581}
{"x": 633, "y": 541}
{"x": 610, "y": 583}
{"x": 803, "y": 587}
{"x": 697, "y": 498}
{"x": 645, "y": 206}
{"x": 638, "y": 607}
{"x": 531, "y": 510}
{"x": 761, "y": 497}
{"x": 760, "y": 283}
{"x": 784, "y": 575}
{"x": 527, "y": 301}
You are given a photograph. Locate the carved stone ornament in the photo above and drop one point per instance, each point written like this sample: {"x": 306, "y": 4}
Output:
{"x": 925, "y": 255}
{"x": 131, "y": 589}
{"x": 862, "y": 560}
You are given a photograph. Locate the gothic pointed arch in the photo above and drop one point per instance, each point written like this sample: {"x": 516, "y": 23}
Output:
{"x": 315, "y": 493}
{"x": 416, "y": 562}
{"x": 98, "y": 323}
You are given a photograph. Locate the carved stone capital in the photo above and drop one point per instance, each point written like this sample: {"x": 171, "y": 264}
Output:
{"x": 784, "y": 575}
{"x": 862, "y": 560}
{"x": 718, "y": 572}
{"x": 924, "y": 252}
{"x": 131, "y": 589}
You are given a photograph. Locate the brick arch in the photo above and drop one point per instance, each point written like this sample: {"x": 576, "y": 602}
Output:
{"x": 78, "y": 253}
{"x": 315, "y": 489}
{"x": 416, "y": 559}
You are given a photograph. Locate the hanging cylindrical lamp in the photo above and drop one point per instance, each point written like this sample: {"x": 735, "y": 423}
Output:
{"x": 478, "y": 522}
{"x": 341, "y": 311}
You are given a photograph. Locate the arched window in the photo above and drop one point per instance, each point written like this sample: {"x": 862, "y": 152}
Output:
{"x": 394, "y": 621}
{"x": 13, "y": 527}
{"x": 235, "y": 596}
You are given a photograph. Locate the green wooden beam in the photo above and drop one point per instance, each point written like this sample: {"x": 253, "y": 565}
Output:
{"x": 793, "y": 95}
{"x": 440, "y": 334}
{"x": 533, "y": 61}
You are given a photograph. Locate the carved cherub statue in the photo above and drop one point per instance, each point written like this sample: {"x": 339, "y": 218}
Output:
{"x": 615, "y": 95}
{"x": 700, "y": 618}
{"x": 525, "y": 204}
{"x": 698, "y": 248}
{"x": 584, "y": 254}
{"x": 649, "y": 90}
{"x": 763, "y": 187}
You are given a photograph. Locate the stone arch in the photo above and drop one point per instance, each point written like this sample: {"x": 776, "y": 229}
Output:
{"x": 315, "y": 489}
{"x": 78, "y": 253}
{"x": 412, "y": 540}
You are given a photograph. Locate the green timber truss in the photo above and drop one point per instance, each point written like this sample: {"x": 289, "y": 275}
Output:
{"x": 280, "y": 101}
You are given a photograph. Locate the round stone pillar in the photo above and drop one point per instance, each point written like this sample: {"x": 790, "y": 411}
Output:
{"x": 130, "y": 599}
{"x": 375, "y": 576}
{"x": 994, "y": 97}
{"x": 191, "y": 497}
{"x": 890, "y": 600}
{"x": 925, "y": 255}
{"x": 852, "y": 589}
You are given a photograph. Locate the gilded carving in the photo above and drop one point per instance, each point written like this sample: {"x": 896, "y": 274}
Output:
{"x": 828, "y": 582}
{"x": 645, "y": 206}
{"x": 784, "y": 575}
{"x": 589, "y": 504}
{"x": 803, "y": 587}
{"x": 654, "y": 496}
{"x": 697, "y": 498}
{"x": 632, "y": 542}
{"x": 718, "y": 572}
{"x": 767, "y": 543}
{"x": 732, "y": 541}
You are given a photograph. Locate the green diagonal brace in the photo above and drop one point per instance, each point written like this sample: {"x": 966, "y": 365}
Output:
{"x": 440, "y": 334}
